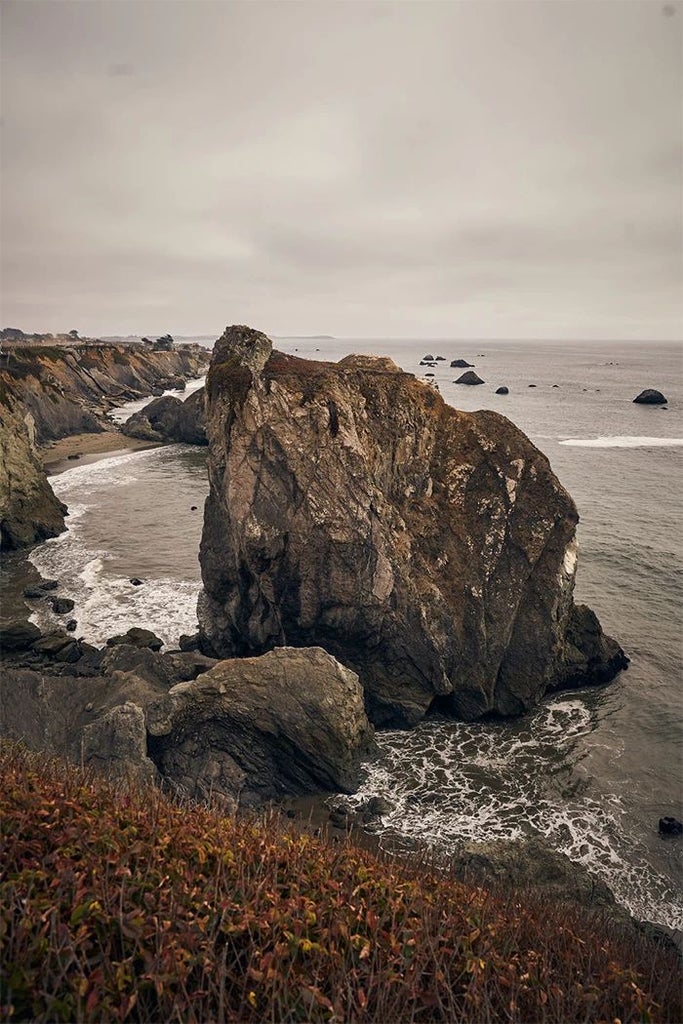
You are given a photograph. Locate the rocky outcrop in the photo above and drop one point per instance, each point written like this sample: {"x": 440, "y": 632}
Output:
{"x": 532, "y": 864}
{"x": 460, "y": 363}
{"x": 291, "y": 721}
{"x": 469, "y": 377}
{"x": 170, "y": 419}
{"x": 433, "y": 551}
{"x": 650, "y": 397}
{"x": 68, "y": 389}
{"x": 29, "y": 510}
{"x": 503, "y": 390}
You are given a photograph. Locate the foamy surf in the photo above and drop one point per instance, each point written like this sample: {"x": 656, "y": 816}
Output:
{"x": 623, "y": 441}
{"x": 453, "y": 781}
{"x": 106, "y": 603}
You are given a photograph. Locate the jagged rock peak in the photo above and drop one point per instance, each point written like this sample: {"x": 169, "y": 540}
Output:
{"x": 244, "y": 346}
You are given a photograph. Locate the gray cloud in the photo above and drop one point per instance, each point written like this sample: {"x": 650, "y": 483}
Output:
{"x": 476, "y": 168}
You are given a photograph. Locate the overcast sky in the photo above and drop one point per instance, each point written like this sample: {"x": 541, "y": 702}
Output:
{"x": 397, "y": 169}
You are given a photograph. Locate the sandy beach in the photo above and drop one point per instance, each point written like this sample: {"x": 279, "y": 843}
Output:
{"x": 86, "y": 448}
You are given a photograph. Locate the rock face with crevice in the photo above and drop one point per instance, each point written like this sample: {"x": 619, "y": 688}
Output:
{"x": 433, "y": 551}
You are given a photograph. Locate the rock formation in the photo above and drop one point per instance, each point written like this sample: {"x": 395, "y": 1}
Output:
{"x": 432, "y": 551}
{"x": 47, "y": 392}
{"x": 503, "y": 390}
{"x": 469, "y": 377}
{"x": 650, "y": 397}
{"x": 170, "y": 419}
{"x": 29, "y": 510}
{"x": 460, "y": 363}
{"x": 68, "y": 389}
{"x": 289, "y": 723}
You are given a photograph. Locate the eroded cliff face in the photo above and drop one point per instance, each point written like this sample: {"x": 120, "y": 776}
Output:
{"x": 29, "y": 510}
{"x": 69, "y": 389}
{"x": 48, "y": 392}
{"x": 432, "y": 551}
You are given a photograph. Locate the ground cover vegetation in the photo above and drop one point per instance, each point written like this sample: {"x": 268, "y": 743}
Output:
{"x": 122, "y": 903}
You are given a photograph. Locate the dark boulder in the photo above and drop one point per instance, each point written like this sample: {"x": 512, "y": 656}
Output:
{"x": 650, "y": 397}
{"x": 61, "y": 605}
{"x": 71, "y": 626}
{"x": 503, "y": 390}
{"x": 428, "y": 359}
{"x": 170, "y": 419}
{"x": 137, "y": 637}
{"x": 291, "y": 721}
{"x": 469, "y": 377}
{"x": 460, "y": 363}
{"x": 18, "y": 636}
{"x": 376, "y": 806}
{"x": 136, "y": 581}
{"x": 34, "y": 593}
{"x": 669, "y": 826}
{"x": 188, "y": 643}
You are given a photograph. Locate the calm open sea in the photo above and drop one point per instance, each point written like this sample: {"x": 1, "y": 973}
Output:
{"x": 592, "y": 770}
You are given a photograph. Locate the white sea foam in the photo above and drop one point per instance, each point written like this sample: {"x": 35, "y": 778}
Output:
{"x": 623, "y": 441}
{"x": 454, "y": 781}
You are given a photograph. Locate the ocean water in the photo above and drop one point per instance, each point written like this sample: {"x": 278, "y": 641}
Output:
{"x": 593, "y": 770}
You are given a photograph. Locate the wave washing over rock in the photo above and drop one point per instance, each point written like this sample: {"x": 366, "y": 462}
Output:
{"x": 432, "y": 550}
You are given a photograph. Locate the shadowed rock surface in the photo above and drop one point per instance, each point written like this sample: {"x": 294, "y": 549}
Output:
{"x": 431, "y": 550}
{"x": 650, "y": 397}
{"x": 469, "y": 377}
{"x": 29, "y": 510}
{"x": 291, "y": 721}
{"x": 170, "y": 419}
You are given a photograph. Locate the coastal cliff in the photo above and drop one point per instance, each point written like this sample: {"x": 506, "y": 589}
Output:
{"x": 433, "y": 551}
{"x": 29, "y": 510}
{"x": 70, "y": 389}
{"x": 50, "y": 392}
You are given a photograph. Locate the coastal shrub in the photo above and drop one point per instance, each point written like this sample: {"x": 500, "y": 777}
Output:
{"x": 229, "y": 378}
{"x": 121, "y": 904}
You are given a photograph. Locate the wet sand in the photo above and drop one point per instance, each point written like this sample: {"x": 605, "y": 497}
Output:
{"x": 86, "y": 448}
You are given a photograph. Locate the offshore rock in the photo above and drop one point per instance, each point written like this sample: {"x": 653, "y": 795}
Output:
{"x": 249, "y": 729}
{"x": 469, "y": 377}
{"x": 170, "y": 419}
{"x": 433, "y": 551}
{"x": 650, "y": 397}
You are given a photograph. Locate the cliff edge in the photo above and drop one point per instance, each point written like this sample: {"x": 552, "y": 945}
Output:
{"x": 432, "y": 551}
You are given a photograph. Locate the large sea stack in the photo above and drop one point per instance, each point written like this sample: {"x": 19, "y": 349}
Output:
{"x": 433, "y": 551}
